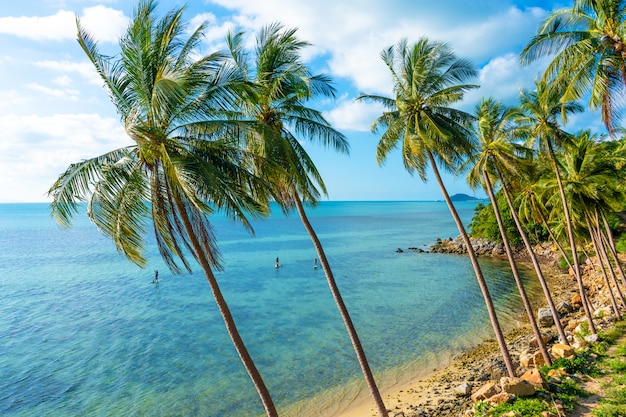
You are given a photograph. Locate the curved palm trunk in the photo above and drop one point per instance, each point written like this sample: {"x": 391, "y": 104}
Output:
{"x": 334, "y": 289}
{"x": 479, "y": 274}
{"x": 556, "y": 241}
{"x": 594, "y": 240}
{"x": 572, "y": 241}
{"x": 518, "y": 281}
{"x": 584, "y": 298}
{"x": 535, "y": 262}
{"x": 611, "y": 244}
{"x": 601, "y": 242}
{"x": 233, "y": 332}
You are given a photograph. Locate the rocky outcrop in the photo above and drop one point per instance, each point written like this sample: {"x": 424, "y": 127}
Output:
{"x": 481, "y": 247}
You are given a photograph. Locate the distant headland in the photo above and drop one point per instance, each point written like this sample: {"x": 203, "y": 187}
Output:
{"x": 465, "y": 197}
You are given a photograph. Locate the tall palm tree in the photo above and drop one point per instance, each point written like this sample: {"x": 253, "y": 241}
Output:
{"x": 588, "y": 45}
{"x": 540, "y": 125}
{"x": 494, "y": 153}
{"x": 275, "y": 87}
{"x": 588, "y": 177}
{"x": 427, "y": 79}
{"x": 169, "y": 101}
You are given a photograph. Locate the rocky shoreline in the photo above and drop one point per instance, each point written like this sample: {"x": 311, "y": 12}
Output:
{"x": 451, "y": 391}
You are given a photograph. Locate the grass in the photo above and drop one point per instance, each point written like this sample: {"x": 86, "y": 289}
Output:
{"x": 613, "y": 404}
{"x": 604, "y": 360}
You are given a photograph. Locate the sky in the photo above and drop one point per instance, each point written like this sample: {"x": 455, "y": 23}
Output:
{"x": 54, "y": 110}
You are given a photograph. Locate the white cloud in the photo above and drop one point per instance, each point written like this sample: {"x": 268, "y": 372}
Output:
{"x": 85, "y": 69}
{"x": 60, "y": 26}
{"x": 42, "y": 147}
{"x": 104, "y": 23}
{"x": 353, "y": 115}
{"x": 62, "y": 80}
{"x": 12, "y": 98}
{"x": 67, "y": 94}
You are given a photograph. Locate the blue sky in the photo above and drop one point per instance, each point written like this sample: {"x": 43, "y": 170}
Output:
{"x": 54, "y": 111}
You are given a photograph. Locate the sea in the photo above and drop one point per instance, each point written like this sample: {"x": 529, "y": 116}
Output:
{"x": 84, "y": 332}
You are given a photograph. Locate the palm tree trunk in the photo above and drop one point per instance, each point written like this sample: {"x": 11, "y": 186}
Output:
{"x": 572, "y": 241}
{"x": 334, "y": 289}
{"x": 535, "y": 262}
{"x": 600, "y": 238}
{"x": 231, "y": 327}
{"x": 518, "y": 281}
{"x": 479, "y": 274}
{"x": 594, "y": 240}
{"x": 556, "y": 241}
{"x": 613, "y": 250}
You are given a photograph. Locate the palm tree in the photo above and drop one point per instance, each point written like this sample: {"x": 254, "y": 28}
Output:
{"x": 541, "y": 108}
{"x": 587, "y": 42}
{"x": 169, "y": 101}
{"x": 273, "y": 118}
{"x": 496, "y": 152}
{"x": 588, "y": 178}
{"x": 427, "y": 79}
{"x": 531, "y": 253}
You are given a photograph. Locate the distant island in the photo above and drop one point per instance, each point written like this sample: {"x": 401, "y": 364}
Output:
{"x": 465, "y": 197}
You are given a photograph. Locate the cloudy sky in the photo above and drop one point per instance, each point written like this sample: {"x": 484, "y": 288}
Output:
{"x": 54, "y": 111}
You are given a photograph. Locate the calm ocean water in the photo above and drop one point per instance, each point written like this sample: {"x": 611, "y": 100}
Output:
{"x": 83, "y": 332}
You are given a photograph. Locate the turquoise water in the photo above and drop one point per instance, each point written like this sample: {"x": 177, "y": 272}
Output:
{"x": 83, "y": 332}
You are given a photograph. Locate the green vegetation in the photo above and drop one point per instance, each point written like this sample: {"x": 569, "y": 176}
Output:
{"x": 567, "y": 390}
{"x": 225, "y": 131}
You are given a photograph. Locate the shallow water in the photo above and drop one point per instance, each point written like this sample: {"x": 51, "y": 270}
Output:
{"x": 84, "y": 332}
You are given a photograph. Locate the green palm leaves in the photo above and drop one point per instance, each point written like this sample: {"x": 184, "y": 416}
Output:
{"x": 427, "y": 79}
{"x": 587, "y": 42}
{"x": 172, "y": 108}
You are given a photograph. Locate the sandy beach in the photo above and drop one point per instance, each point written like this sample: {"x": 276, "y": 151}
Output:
{"x": 435, "y": 393}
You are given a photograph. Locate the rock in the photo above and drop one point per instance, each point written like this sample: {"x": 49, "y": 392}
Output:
{"x": 564, "y": 307}
{"x": 534, "y": 377}
{"x": 526, "y": 360}
{"x": 592, "y": 338}
{"x": 562, "y": 351}
{"x": 512, "y": 414}
{"x": 544, "y": 317}
{"x": 548, "y": 414}
{"x": 557, "y": 373}
{"x": 533, "y": 342}
{"x": 538, "y": 359}
{"x": 576, "y": 301}
{"x": 464, "y": 389}
{"x": 501, "y": 398}
{"x": 602, "y": 312}
{"x": 486, "y": 391}
{"x": 517, "y": 386}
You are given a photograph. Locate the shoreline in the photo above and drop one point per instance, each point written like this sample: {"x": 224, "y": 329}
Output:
{"x": 433, "y": 392}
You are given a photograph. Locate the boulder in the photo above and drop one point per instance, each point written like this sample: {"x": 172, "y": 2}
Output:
{"x": 544, "y": 317}
{"x": 562, "y": 351}
{"x": 534, "y": 377}
{"x": 501, "y": 398}
{"x": 486, "y": 391}
{"x": 538, "y": 359}
{"x": 564, "y": 307}
{"x": 557, "y": 373}
{"x": 533, "y": 342}
{"x": 526, "y": 360}
{"x": 517, "y": 386}
{"x": 592, "y": 338}
{"x": 463, "y": 390}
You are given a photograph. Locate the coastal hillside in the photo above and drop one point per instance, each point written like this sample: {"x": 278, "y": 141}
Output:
{"x": 464, "y": 197}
